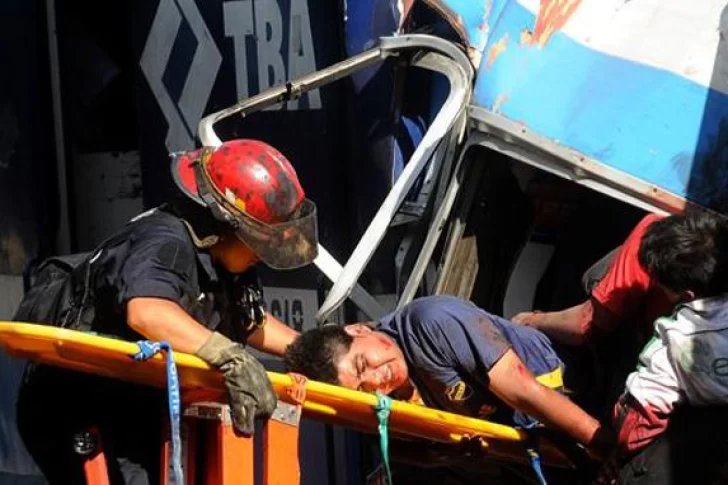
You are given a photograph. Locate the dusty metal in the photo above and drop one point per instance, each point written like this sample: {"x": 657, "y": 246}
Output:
{"x": 438, "y": 55}
{"x": 443, "y": 57}
{"x": 287, "y": 92}
{"x": 286, "y": 413}
{"x": 209, "y": 410}
{"x": 518, "y": 142}
{"x": 433, "y": 234}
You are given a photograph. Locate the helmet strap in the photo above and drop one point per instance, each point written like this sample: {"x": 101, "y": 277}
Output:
{"x": 206, "y": 194}
{"x": 203, "y": 243}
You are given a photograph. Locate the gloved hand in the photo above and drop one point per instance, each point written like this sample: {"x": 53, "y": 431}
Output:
{"x": 251, "y": 393}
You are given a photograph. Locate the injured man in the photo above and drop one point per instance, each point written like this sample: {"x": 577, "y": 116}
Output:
{"x": 449, "y": 354}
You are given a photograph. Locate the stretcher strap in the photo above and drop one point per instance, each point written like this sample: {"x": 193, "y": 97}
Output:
{"x": 384, "y": 405}
{"x": 147, "y": 349}
{"x": 535, "y": 460}
{"x": 532, "y": 451}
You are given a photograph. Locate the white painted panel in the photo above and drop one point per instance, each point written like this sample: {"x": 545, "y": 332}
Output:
{"x": 679, "y": 36}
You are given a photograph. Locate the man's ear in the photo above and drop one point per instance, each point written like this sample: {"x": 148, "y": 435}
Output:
{"x": 358, "y": 330}
{"x": 688, "y": 295}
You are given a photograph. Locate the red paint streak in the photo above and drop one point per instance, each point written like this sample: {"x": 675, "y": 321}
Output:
{"x": 497, "y": 49}
{"x": 484, "y": 27}
{"x": 502, "y": 98}
{"x": 552, "y": 16}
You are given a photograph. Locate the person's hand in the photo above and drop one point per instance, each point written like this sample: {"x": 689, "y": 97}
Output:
{"x": 297, "y": 391}
{"x": 524, "y": 318}
{"x": 250, "y": 391}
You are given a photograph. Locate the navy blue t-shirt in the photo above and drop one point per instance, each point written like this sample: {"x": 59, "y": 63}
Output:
{"x": 450, "y": 344}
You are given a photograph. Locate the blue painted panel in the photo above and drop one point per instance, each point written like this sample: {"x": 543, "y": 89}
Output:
{"x": 366, "y": 22}
{"x": 648, "y": 122}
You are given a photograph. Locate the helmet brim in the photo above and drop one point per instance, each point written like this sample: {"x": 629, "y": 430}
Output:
{"x": 287, "y": 245}
{"x": 183, "y": 173}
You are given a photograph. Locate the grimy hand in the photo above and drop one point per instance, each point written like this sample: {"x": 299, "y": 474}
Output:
{"x": 250, "y": 391}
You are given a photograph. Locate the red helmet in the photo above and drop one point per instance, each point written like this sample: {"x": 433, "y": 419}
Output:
{"x": 253, "y": 187}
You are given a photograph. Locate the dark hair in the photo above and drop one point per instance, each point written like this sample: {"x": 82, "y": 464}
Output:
{"x": 315, "y": 352}
{"x": 688, "y": 252}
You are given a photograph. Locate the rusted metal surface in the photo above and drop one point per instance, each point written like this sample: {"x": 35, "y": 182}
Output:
{"x": 497, "y": 49}
{"x": 639, "y": 90}
{"x": 519, "y": 142}
{"x": 552, "y": 16}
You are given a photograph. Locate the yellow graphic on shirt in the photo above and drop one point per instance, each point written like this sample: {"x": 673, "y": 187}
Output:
{"x": 458, "y": 393}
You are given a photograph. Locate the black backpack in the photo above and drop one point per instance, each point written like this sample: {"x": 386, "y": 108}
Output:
{"x": 56, "y": 291}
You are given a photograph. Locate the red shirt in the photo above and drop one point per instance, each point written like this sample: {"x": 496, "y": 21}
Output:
{"x": 627, "y": 291}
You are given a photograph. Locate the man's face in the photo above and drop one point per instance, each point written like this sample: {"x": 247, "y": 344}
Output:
{"x": 235, "y": 256}
{"x": 373, "y": 363}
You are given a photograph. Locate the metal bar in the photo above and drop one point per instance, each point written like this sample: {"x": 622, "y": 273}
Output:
{"x": 332, "y": 270}
{"x": 452, "y": 108}
{"x": 230, "y": 456}
{"x": 457, "y": 228}
{"x": 286, "y": 92}
{"x": 337, "y": 405}
{"x": 433, "y": 234}
{"x": 516, "y": 141}
{"x": 164, "y": 456}
{"x": 95, "y": 468}
{"x": 388, "y": 46}
{"x": 280, "y": 446}
{"x": 63, "y": 238}
{"x": 190, "y": 448}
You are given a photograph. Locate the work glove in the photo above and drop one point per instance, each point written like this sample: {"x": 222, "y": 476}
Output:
{"x": 251, "y": 393}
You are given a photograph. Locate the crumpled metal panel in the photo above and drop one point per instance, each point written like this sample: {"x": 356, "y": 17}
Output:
{"x": 640, "y": 87}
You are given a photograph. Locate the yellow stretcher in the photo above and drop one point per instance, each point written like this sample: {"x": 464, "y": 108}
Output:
{"x": 112, "y": 358}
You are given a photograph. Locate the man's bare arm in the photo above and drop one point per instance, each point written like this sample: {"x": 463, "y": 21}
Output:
{"x": 160, "y": 319}
{"x": 513, "y": 383}
{"x": 274, "y": 337}
{"x": 573, "y": 326}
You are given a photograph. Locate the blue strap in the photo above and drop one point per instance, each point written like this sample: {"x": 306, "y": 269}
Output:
{"x": 147, "y": 349}
{"x": 535, "y": 460}
{"x": 384, "y": 405}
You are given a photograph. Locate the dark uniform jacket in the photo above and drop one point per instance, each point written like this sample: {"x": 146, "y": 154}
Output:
{"x": 152, "y": 256}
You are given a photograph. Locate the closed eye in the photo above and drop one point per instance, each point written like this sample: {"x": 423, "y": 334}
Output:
{"x": 360, "y": 368}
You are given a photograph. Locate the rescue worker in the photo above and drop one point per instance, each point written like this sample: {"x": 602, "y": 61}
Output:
{"x": 683, "y": 364}
{"x": 649, "y": 293}
{"x": 617, "y": 319}
{"x": 181, "y": 273}
{"x": 625, "y": 293}
{"x": 449, "y": 354}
